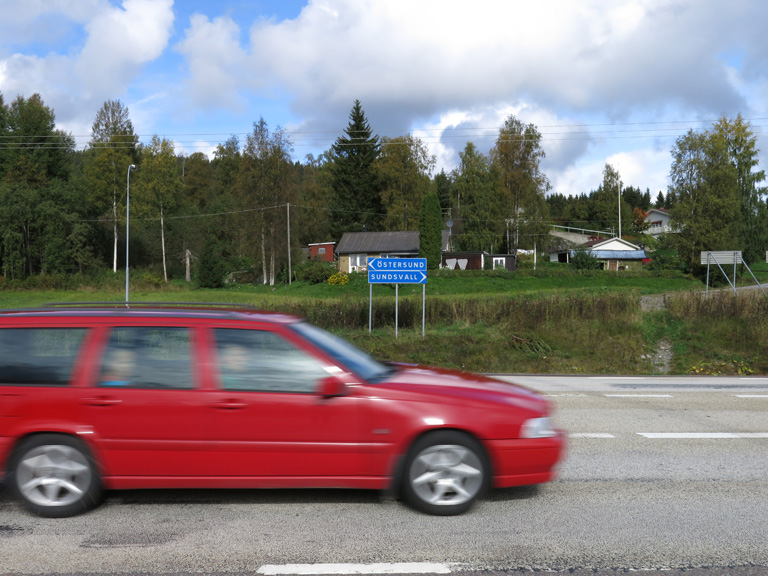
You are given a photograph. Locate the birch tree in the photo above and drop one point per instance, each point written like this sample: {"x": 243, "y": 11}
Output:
{"x": 403, "y": 169}
{"x": 158, "y": 185}
{"x": 265, "y": 186}
{"x": 113, "y": 148}
{"x": 516, "y": 158}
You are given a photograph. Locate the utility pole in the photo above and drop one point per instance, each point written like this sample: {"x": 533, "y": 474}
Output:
{"x": 288, "y": 213}
{"x": 127, "y": 225}
{"x": 619, "y": 209}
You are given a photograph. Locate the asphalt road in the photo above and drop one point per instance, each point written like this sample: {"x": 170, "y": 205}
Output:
{"x": 662, "y": 474}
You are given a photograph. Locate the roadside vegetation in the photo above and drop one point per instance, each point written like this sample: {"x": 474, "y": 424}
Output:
{"x": 233, "y": 229}
{"x": 548, "y": 321}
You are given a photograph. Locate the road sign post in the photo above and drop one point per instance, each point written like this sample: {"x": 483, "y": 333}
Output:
{"x": 397, "y": 271}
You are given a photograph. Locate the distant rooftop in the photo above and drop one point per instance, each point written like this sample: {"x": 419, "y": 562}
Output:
{"x": 378, "y": 242}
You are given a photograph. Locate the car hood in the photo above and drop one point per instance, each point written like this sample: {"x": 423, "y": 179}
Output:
{"x": 456, "y": 386}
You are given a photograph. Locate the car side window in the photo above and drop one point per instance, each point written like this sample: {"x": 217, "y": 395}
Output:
{"x": 38, "y": 356}
{"x": 147, "y": 357}
{"x": 264, "y": 361}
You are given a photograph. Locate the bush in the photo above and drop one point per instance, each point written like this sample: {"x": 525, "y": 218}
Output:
{"x": 661, "y": 261}
{"x": 212, "y": 268}
{"x": 314, "y": 272}
{"x": 339, "y": 279}
{"x": 583, "y": 260}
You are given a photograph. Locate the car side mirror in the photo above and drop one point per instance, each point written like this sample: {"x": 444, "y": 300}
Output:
{"x": 331, "y": 387}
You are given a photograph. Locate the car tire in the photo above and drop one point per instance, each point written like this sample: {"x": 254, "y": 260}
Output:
{"x": 445, "y": 473}
{"x": 54, "y": 476}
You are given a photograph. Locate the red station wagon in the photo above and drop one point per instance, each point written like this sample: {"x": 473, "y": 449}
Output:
{"x": 106, "y": 397}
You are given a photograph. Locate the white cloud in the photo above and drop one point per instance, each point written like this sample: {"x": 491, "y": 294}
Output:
{"x": 117, "y": 42}
{"x": 120, "y": 41}
{"x": 442, "y": 69}
{"x": 644, "y": 168}
{"x": 415, "y": 65}
{"x": 36, "y": 20}
{"x": 215, "y": 60}
{"x": 431, "y": 54}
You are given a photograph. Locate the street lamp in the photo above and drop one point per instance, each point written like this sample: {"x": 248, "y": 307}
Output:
{"x": 127, "y": 229}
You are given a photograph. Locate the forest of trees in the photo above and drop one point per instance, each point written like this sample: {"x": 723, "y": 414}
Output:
{"x": 63, "y": 210}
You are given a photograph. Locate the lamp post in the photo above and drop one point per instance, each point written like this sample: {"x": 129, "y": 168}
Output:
{"x": 127, "y": 228}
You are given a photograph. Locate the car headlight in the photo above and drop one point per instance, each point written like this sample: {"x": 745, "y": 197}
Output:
{"x": 538, "y": 428}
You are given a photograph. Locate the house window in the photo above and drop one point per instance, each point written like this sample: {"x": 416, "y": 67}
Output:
{"x": 498, "y": 263}
{"x": 321, "y": 250}
{"x": 358, "y": 262}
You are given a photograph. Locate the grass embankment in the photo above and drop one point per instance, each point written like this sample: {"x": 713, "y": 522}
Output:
{"x": 552, "y": 321}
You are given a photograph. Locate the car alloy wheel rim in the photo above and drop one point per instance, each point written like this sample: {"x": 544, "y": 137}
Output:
{"x": 446, "y": 475}
{"x": 53, "y": 475}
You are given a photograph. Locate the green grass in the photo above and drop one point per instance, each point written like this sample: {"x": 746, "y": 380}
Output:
{"x": 547, "y": 321}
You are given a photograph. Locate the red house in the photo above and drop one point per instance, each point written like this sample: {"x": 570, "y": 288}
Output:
{"x": 322, "y": 251}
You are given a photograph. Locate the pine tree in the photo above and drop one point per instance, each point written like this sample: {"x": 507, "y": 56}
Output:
{"x": 357, "y": 198}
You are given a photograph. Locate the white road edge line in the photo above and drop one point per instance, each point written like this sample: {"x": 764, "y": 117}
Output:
{"x": 751, "y": 395}
{"x": 638, "y": 395}
{"x": 702, "y": 435}
{"x": 382, "y": 568}
{"x": 590, "y": 435}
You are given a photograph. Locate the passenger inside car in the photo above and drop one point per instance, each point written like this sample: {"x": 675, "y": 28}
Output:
{"x": 234, "y": 367}
{"x": 118, "y": 370}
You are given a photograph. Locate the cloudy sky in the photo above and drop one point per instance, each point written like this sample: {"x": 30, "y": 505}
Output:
{"x": 611, "y": 81}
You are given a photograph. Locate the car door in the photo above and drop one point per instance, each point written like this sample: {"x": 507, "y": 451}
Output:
{"x": 271, "y": 420}
{"x": 146, "y": 410}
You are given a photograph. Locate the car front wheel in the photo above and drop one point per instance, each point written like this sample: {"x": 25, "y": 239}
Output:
{"x": 55, "y": 476}
{"x": 445, "y": 473}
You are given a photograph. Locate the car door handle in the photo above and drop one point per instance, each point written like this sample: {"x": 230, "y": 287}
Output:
{"x": 102, "y": 401}
{"x": 230, "y": 405}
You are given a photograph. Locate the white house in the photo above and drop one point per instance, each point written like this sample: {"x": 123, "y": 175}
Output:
{"x": 658, "y": 218}
{"x": 613, "y": 254}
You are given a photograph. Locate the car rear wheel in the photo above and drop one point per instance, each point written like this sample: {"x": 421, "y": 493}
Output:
{"x": 445, "y": 473}
{"x": 55, "y": 476}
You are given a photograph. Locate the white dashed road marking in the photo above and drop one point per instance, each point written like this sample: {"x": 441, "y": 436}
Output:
{"x": 638, "y": 395}
{"x": 751, "y": 395}
{"x": 384, "y": 568}
{"x": 702, "y": 435}
{"x": 591, "y": 435}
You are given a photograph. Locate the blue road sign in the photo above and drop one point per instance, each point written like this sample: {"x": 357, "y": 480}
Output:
{"x": 397, "y": 271}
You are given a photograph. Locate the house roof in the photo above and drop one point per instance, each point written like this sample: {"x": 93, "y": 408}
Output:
{"x": 615, "y": 254}
{"x": 612, "y": 244}
{"x": 378, "y": 242}
{"x": 593, "y": 241}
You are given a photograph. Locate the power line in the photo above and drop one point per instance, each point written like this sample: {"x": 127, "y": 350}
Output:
{"x": 551, "y": 133}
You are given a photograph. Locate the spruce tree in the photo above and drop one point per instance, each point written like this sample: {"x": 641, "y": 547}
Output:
{"x": 357, "y": 198}
{"x": 431, "y": 231}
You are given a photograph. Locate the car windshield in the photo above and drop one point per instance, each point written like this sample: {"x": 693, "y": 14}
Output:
{"x": 344, "y": 353}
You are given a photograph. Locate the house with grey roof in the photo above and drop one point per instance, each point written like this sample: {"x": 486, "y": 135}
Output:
{"x": 355, "y": 248}
{"x": 613, "y": 254}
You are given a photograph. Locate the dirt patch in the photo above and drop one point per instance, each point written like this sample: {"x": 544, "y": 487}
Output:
{"x": 653, "y": 303}
{"x": 662, "y": 359}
